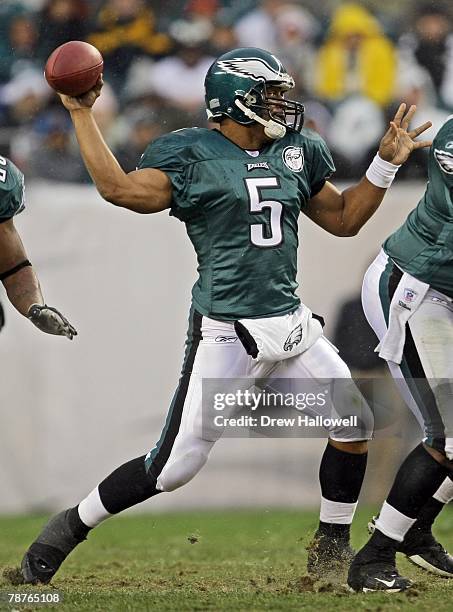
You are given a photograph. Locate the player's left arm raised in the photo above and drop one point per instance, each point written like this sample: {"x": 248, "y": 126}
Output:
{"x": 344, "y": 213}
{"x": 22, "y": 285}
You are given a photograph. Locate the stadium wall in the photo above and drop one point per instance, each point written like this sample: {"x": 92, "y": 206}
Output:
{"x": 70, "y": 412}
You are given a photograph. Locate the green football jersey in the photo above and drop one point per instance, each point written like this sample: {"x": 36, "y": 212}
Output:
{"x": 11, "y": 190}
{"x": 423, "y": 245}
{"x": 240, "y": 210}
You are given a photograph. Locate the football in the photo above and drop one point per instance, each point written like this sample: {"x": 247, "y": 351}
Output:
{"x": 74, "y": 68}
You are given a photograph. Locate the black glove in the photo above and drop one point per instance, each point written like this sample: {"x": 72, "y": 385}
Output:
{"x": 50, "y": 321}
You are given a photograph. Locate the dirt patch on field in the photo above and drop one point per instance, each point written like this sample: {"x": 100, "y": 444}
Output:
{"x": 13, "y": 575}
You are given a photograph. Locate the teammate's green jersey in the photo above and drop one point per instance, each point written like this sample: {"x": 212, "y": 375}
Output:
{"x": 11, "y": 190}
{"x": 423, "y": 245}
{"x": 241, "y": 214}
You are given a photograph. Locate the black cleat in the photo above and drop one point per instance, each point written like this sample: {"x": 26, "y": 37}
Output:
{"x": 44, "y": 557}
{"x": 376, "y": 576}
{"x": 423, "y": 550}
{"x": 328, "y": 556}
{"x": 40, "y": 563}
{"x": 373, "y": 568}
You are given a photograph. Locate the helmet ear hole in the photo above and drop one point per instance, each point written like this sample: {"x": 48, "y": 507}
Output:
{"x": 250, "y": 99}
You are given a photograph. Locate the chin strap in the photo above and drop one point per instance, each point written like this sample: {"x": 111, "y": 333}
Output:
{"x": 271, "y": 128}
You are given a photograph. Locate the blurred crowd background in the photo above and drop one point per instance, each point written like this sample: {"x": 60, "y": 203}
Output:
{"x": 352, "y": 62}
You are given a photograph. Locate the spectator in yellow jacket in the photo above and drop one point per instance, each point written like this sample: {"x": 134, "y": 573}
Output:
{"x": 125, "y": 30}
{"x": 356, "y": 58}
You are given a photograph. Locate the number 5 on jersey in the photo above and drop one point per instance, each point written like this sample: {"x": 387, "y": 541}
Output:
{"x": 263, "y": 234}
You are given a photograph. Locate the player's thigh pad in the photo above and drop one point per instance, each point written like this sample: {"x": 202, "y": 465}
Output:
{"x": 431, "y": 328}
{"x": 321, "y": 370}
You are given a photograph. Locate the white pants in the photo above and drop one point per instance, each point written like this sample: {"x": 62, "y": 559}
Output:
{"x": 426, "y": 371}
{"x": 214, "y": 352}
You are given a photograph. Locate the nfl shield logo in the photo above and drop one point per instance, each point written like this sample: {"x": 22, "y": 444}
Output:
{"x": 409, "y": 295}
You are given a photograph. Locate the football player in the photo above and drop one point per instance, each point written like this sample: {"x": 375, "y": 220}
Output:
{"x": 239, "y": 189}
{"x": 407, "y": 296}
{"x": 16, "y": 272}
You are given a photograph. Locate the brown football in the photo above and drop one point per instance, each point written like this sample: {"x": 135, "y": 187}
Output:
{"x": 74, "y": 68}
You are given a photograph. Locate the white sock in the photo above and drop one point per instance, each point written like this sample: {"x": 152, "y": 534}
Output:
{"x": 92, "y": 511}
{"x": 444, "y": 493}
{"x": 393, "y": 523}
{"x": 336, "y": 512}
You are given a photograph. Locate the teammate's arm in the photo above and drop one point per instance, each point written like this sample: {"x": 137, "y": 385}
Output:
{"x": 22, "y": 285}
{"x": 344, "y": 213}
{"x": 144, "y": 191}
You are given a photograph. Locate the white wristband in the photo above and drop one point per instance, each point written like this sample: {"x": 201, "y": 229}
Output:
{"x": 381, "y": 173}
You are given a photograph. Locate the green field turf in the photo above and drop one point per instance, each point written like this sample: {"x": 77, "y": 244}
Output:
{"x": 244, "y": 560}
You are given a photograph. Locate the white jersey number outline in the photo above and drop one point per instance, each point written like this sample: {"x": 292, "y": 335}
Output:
{"x": 256, "y": 205}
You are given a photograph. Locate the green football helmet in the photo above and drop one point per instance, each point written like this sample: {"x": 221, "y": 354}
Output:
{"x": 237, "y": 86}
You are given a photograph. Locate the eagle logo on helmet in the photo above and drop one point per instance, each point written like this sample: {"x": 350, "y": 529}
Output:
{"x": 256, "y": 69}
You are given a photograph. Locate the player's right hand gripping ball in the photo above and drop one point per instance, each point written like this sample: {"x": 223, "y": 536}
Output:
{"x": 74, "y": 68}
{"x": 51, "y": 321}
